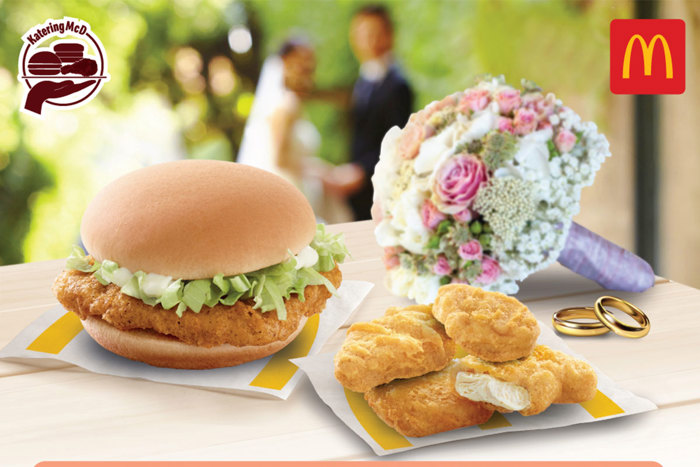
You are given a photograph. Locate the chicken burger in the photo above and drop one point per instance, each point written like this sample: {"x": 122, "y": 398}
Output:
{"x": 199, "y": 264}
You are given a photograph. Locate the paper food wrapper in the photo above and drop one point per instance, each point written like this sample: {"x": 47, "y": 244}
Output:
{"x": 59, "y": 334}
{"x": 611, "y": 401}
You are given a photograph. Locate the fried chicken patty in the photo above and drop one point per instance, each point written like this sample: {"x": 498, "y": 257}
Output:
{"x": 237, "y": 325}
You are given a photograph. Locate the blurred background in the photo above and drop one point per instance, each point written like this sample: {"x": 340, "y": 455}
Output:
{"x": 183, "y": 83}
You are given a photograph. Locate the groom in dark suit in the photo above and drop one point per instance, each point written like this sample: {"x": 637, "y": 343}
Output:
{"x": 381, "y": 99}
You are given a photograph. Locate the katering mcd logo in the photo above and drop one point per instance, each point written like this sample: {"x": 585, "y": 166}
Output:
{"x": 647, "y": 56}
{"x": 63, "y": 65}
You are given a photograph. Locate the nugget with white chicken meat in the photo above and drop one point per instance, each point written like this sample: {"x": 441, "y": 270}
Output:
{"x": 529, "y": 385}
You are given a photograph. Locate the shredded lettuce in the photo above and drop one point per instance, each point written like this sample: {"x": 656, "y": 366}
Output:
{"x": 268, "y": 288}
{"x": 331, "y": 249}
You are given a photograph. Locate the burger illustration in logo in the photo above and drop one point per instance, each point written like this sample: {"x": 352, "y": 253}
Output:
{"x": 60, "y": 72}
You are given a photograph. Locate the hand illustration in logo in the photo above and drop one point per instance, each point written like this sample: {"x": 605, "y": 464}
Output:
{"x": 44, "y": 90}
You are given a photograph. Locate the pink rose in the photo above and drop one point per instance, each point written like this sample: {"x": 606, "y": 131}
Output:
{"x": 458, "y": 180}
{"x": 544, "y": 124}
{"x": 422, "y": 116}
{"x": 474, "y": 99}
{"x": 543, "y": 106}
{"x": 442, "y": 267}
{"x": 490, "y": 270}
{"x": 465, "y": 215}
{"x": 448, "y": 101}
{"x": 411, "y": 138}
{"x": 505, "y": 124}
{"x": 430, "y": 215}
{"x": 508, "y": 100}
{"x": 470, "y": 250}
{"x": 391, "y": 257}
{"x": 565, "y": 141}
{"x": 525, "y": 121}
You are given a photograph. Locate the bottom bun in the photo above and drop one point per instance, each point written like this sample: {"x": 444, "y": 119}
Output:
{"x": 165, "y": 351}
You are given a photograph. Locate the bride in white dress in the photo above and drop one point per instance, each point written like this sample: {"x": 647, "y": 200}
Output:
{"x": 277, "y": 137}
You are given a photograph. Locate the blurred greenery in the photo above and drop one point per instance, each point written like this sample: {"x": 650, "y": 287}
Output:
{"x": 178, "y": 90}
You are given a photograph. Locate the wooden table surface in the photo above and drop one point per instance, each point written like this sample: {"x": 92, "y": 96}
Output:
{"x": 54, "y": 411}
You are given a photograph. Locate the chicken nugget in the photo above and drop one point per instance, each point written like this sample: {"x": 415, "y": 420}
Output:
{"x": 426, "y": 405}
{"x": 529, "y": 385}
{"x": 405, "y": 342}
{"x": 489, "y": 325}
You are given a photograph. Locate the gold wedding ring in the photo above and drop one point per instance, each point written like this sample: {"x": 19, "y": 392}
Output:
{"x": 561, "y": 320}
{"x": 602, "y": 319}
{"x": 617, "y": 326}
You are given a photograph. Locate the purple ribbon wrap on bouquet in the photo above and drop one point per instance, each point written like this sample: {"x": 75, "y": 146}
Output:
{"x": 590, "y": 255}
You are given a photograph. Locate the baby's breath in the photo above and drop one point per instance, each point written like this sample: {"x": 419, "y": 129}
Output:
{"x": 507, "y": 204}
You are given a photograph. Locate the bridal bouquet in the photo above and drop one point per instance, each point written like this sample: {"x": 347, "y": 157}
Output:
{"x": 480, "y": 188}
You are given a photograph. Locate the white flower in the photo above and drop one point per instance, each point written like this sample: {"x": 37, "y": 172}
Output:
{"x": 407, "y": 221}
{"x": 425, "y": 288}
{"x": 482, "y": 122}
{"x": 385, "y": 171}
{"x": 432, "y": 150}
{"x": 385, "y": 234}
{"x": 399, "y": 281}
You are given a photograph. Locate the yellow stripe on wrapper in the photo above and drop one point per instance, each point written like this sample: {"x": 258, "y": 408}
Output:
{"x": 497, "y": 420}
{"x": 601, "y": 406}
{"x": 381, "y": 433}
{"x": 58, "y": 335}
{"x": 279, "y": 370}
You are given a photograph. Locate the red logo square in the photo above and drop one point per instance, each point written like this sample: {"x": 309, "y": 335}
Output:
{"x": 647, "y": 56}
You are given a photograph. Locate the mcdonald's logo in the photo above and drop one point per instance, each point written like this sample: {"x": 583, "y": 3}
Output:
{"x": 647, "y": 56}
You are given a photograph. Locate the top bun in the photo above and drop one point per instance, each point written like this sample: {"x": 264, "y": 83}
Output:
{"x": 68, "y": 47}
{"x": 194, "y": 219}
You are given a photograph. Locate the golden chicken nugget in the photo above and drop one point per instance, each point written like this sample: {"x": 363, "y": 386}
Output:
{"x": 404, "y": 343}
{"x": 489, "y": 325}
{"x": 529, "y": 385}
{"x": 426, "y": 405}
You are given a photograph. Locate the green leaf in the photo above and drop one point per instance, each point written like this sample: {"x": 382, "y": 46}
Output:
{"x": 180, "y": 309}
{"x": 552, "y": 149}
{"x": 223, "y": 285}
{"x": 172, "y": 295}
{"x": 105, "y": 272}
{"x": 79, "y": 261}
{"x": 485, "y": 240}
{"x": 434, "y": 242}
{"x": 231, "y": 298}
{"x": 131, "y": 288}
{"x": 240, "y": 283}
{"x": 475, "y": 227}
{"x": 443, "y": 227}
{"x": 195, "y": 294}
{"x": 331, "y": 249}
